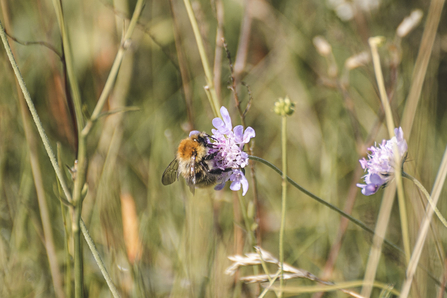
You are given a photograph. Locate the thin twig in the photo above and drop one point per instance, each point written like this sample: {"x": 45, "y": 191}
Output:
{"x": 232, "y": 87}
{"x": 41, "y": 43}
{"x": 34, "y": 114}
{"x": 244, "y": 42}
{"x": 115, "y": 68}
{"x": 48, "y": 239}
{"x": 143, "y": 27}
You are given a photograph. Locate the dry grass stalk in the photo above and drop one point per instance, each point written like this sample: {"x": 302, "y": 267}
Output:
{"x": 409, "y": 23}
{"x": 130, "y": 228}
{"x": 263, "y": 256}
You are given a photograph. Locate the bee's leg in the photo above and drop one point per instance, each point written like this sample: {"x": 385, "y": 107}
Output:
{"x": 220, "y": 171}
{"x": 204, "y": 164}
{"x": 210, "y": 156}
{"x": 211, "y": 145}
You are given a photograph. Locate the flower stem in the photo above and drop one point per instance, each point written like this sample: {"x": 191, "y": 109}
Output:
{"x": 284, "y": 197}
{"x": 321, "y": 201}
{"x": 246, "y": 220}
{"x": 427, "y": 195}
{"x": 98, "y": 260}
{"x": 272, "y": 280}
{"x": 209, "y": 89}
{"x": 81, "y": 154}
{"x": 108, "y": 87}
{"x": 78, "y": 257}
{"x": 373, "y": 43}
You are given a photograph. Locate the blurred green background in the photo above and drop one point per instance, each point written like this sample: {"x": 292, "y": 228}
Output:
{"x": 161, "y": 241}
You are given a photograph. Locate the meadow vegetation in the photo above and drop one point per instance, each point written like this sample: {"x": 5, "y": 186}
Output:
{"x": 118, "y": 84}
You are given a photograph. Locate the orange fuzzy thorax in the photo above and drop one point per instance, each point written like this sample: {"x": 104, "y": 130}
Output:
{"x": 189, "y": 148}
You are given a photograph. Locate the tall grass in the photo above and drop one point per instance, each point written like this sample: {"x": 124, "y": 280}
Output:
{"x": 141, "y": 90}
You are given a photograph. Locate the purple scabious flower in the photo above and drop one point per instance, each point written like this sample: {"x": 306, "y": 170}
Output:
{"x": 228, "y": 151}
{"x": 380, "y": 164}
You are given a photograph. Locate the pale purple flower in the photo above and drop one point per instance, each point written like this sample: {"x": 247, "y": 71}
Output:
{"x": 228, "y": 151}
{"x": 238, "y": 179}
{"x": 380, "y": 163}
{"x": 194, "y": 132}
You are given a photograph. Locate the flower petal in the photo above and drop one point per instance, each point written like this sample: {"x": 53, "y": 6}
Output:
{"x": 363, "y": 163}
{"x": 219, "y": 125}
{"x": 244, "y": 183}
{"x": 399, "y": 133}
{"x": 220, "y": 186}
{"x": 194, "y": 132}
{"x": 235, "y": 185}
{"x": 376, "y": 179}
{"x": 248, "y": 134}
{"x": 238, "y": 133}
{"x": 226, "y": 118}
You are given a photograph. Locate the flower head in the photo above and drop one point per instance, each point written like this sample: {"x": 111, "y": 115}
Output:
{"x": 284, "y": 107}
{"x": 380, "y": 164}
{"x": 228, "y": 151}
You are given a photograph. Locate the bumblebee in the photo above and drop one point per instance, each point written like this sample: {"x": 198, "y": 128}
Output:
{"x": 192, "y": 163}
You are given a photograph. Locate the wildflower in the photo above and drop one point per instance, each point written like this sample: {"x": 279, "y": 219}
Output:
{"x": 284, "y": 107}
{"x": 228, "y": 151}
{"x": 380, "y": 164}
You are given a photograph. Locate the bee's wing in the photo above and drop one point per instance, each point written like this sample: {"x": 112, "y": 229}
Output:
{"x": 192, "y": 173}
{"x": 170, "y": 174}
{"x": 192, "y": 188}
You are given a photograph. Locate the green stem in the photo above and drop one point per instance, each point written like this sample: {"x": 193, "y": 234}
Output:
{"x": 209, "y": 89}
{"x": 263, "y": 264}
{"x": 321, "y": 201}
{"x": 81, "y": 153}
{"x": 69, "y": 62}
{"x": 403, "y": 211}
{"x": 246, "y": 220}
{"x": 278, "y": 273}
{"x": 98, "y": 260}
{"x": 78, "y": 264}
{"x": 34, "y": 114}
{"x": 41, "y": 131}
{"x": 114, "y": 70}
{"x": 427, "y": 195}
{"x": 373, "y": 43}
{"x": 284, "y": 197}
{"x": 66, "y": 234}
{"x": 77, "y": 210}
{"x": 251, "y": 239}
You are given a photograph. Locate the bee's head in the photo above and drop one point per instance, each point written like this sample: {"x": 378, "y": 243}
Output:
{"x": 201, "y": 138}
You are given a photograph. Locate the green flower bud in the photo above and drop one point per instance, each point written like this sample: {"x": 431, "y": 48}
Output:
{"x": 284, "y": 107}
